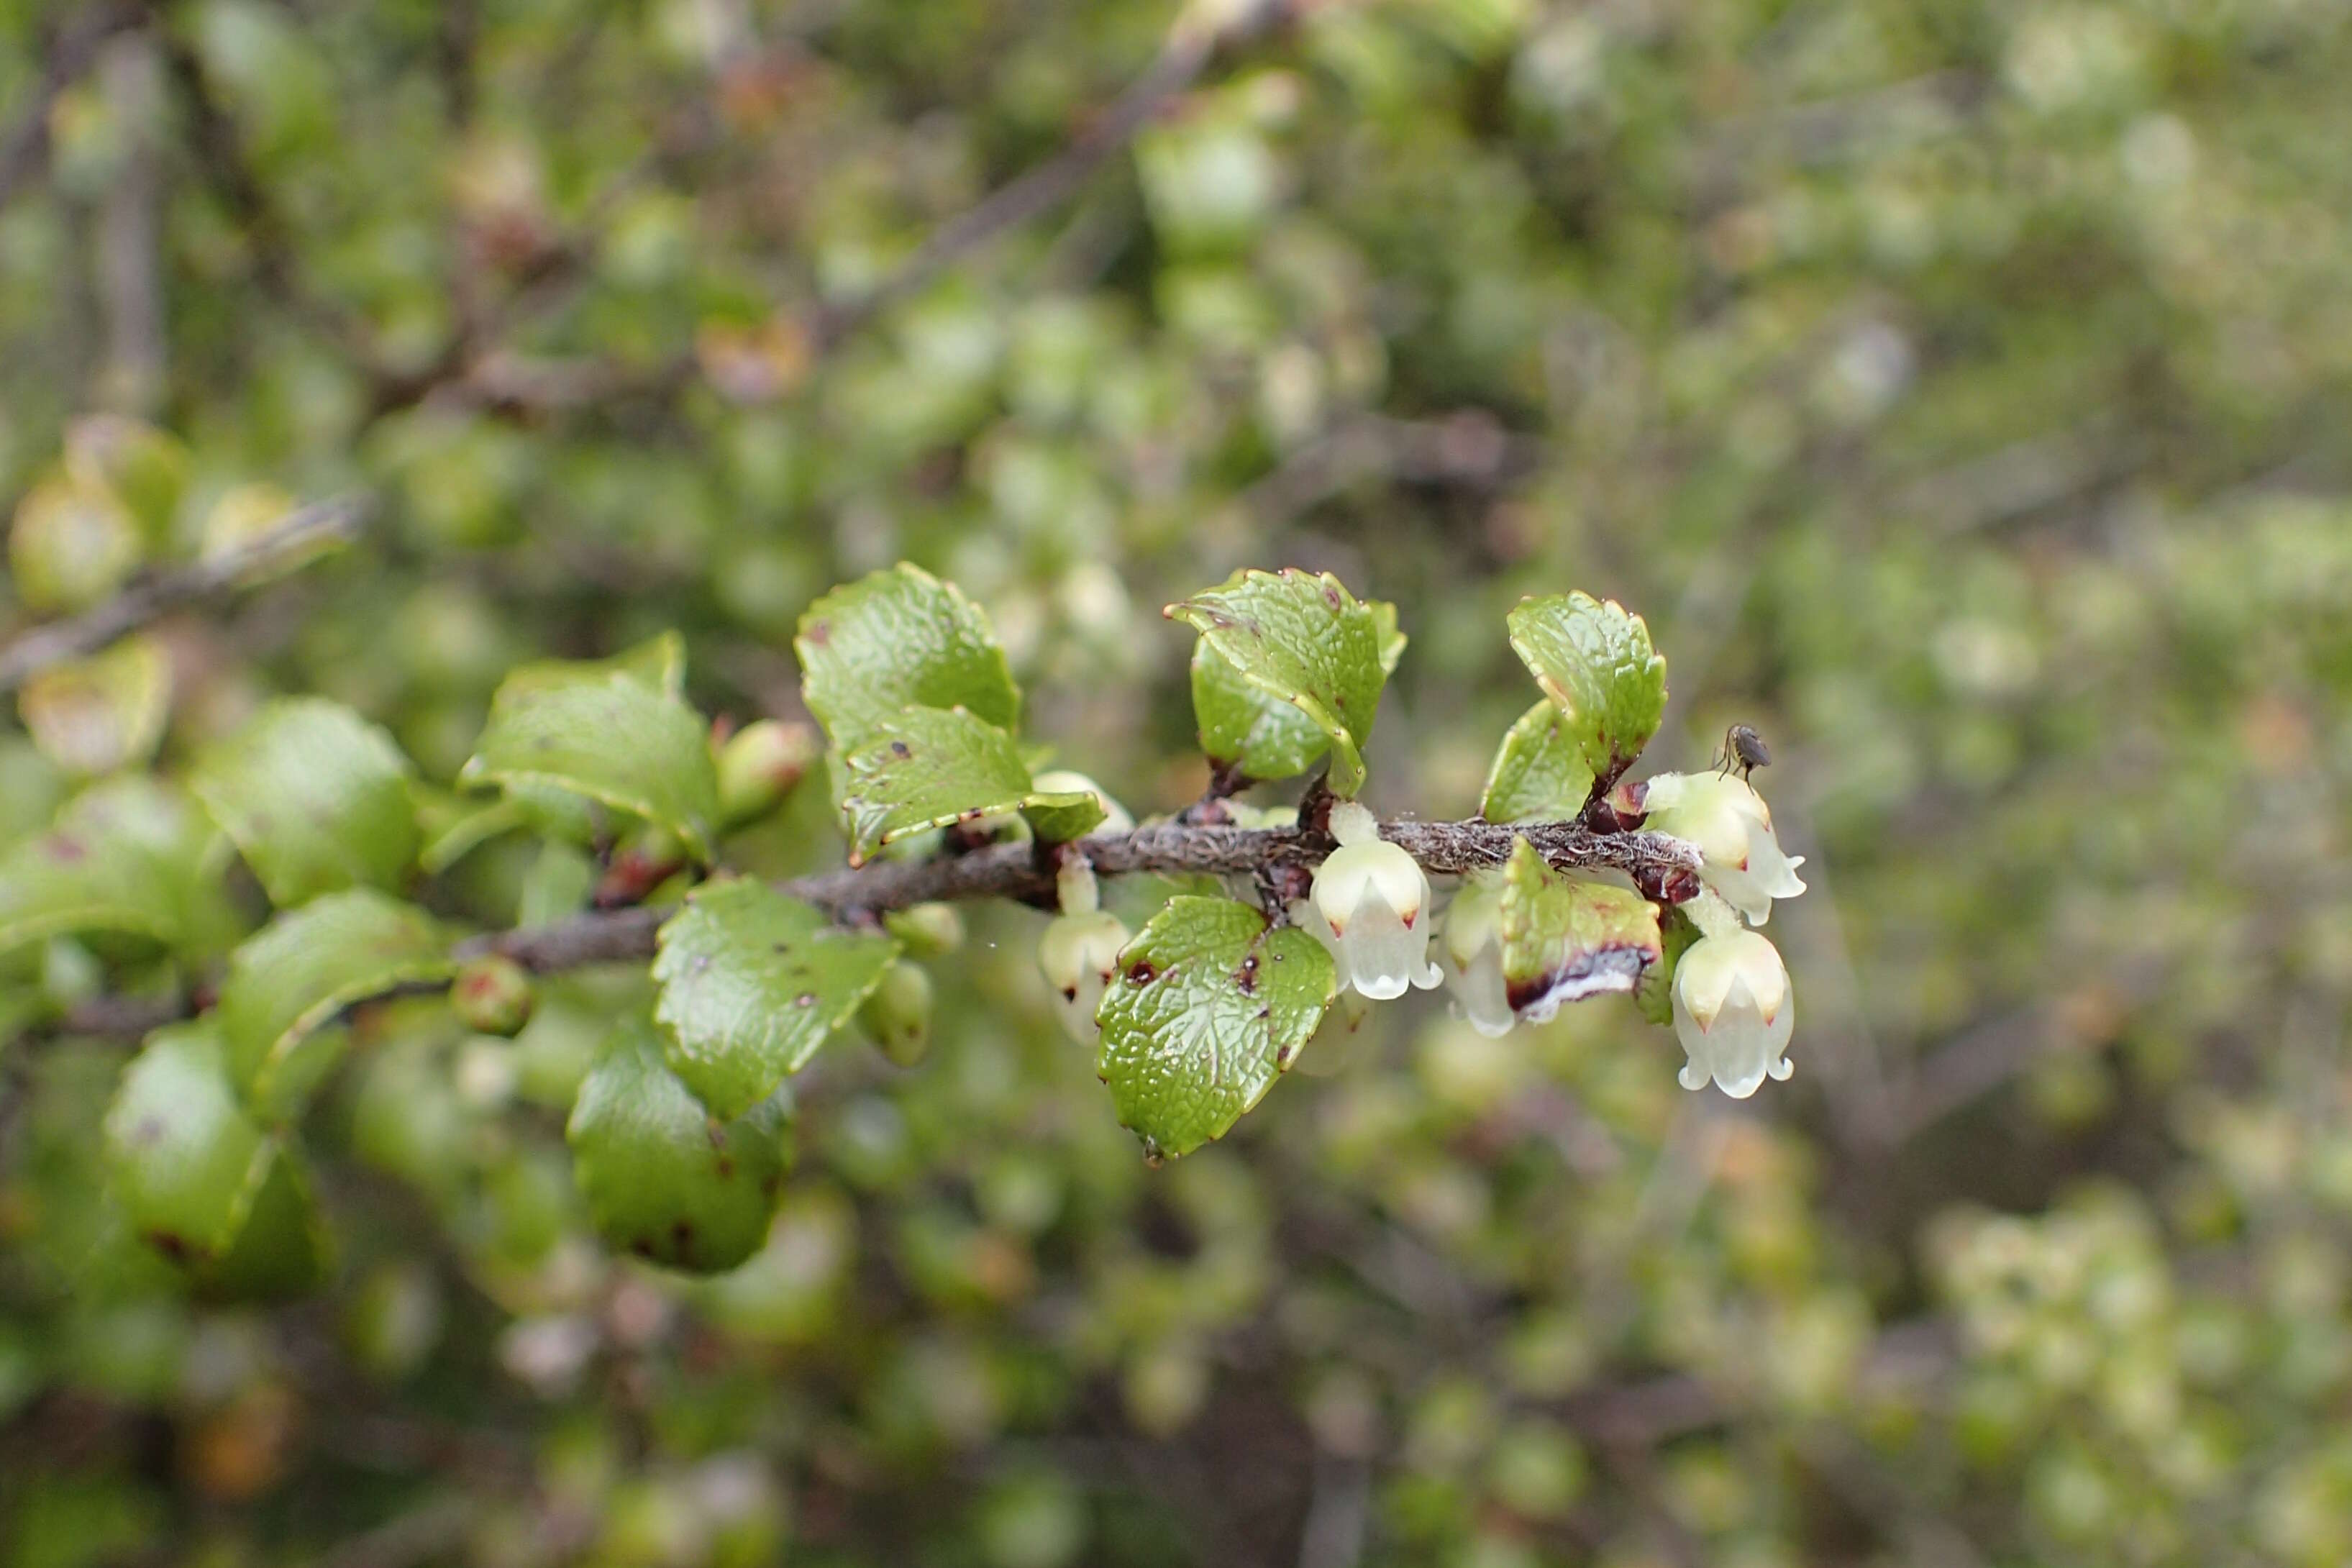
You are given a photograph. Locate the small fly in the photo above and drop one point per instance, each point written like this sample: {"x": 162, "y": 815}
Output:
{"x": 1744, "y": 749}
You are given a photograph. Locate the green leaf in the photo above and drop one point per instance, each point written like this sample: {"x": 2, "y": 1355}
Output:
{"x": 894, "y": 639}
{"x": 94, "y": 715}
{"x": 1538, "y": 774}
{"x": 1060, "y": 818}
{"x": 614, "y": 739}
{"x": 130, "y": 855}
{"x": 1595, "y": 663}
{"x": 295, "y": 975}
{"x": 198, "y": 1179}
{"x": 1656, "y": 994}
{"x": 1211, "y": 1007}
{"x": 1565, "y": 939}
{"x": 1300, "y": 640}
{"x": 926, "y": 768}
{"x": 658, "y": 664}
{"x": 453, "y": 826}
{"x": 752, "y": 982}
{"x": 187, "y": 1159}
{"x": 315, "y": 797}
{"x": 665, "y": 1179}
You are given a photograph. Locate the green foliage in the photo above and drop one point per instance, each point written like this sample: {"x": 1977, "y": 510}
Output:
{"x": 926, "y": 768}
{"x": 94, "y": 715}
{"x": 315, "y": 797}
{"x": 1272, "y": 641}
{"x": 292, "y": 978}
{"x": 613, "y": 740}
{"x": 1594, "y": 662}
{"x": 130, "y": 855}
{"x": 1211, "y": 1004}
{"x": 199, "y": 1181}
{"x": 1565, "y": 938}
{"x": 1539, "y": 772}
{"x": 896, "y": 639}
{"x": 665, "y": 1179}
{"x": 753, "y": 985}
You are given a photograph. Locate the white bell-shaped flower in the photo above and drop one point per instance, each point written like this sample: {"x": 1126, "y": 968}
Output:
{"x": 1734, "y": 1011}
{"x": 1079, "y": 954}
{"x": 1470, "y": 951}
{"x": 1371, "y": 907}
{"x": 1732, "y": 826}
{"x": 1062, "y": 781}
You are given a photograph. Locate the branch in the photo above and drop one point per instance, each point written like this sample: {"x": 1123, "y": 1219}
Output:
{"x": 1189, "y": 45}
{"x": 1015, "y": 870}
{"x": 24, "y": 149}
{"x": 327, "y": 522}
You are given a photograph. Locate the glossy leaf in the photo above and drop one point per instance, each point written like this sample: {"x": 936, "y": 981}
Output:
{"x": 899, "y": 638}
{"x": 130, "y": 855}
{"x": 1210, "y": 1008}
{"x": 315, "y": 797}
{"x": 304, "y": 968}
{"x": 664, "y": 1178}
{"x": 1538, "y": 774}
{"x": 614, "y": 739}
{"x": 1301, "y": 640}
{"x": 753, "y": 983}
{"x": 186, "y": 1156}
{"x": 926, "y": 768}
{"x": 1595, "y": 663}
{"x": 1565, "y": 939}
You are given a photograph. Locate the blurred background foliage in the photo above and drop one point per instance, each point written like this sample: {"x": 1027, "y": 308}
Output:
{"x": 1958, "y": 387}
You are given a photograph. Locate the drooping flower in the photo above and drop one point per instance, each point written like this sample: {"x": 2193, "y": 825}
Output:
{"x": 1370, "y": 906}
{"x": 1471, "y": 954}
{"x": 1079, "y": 954}
{"x": 1734, "y": 1012}
{"x": 1733, "y": 829}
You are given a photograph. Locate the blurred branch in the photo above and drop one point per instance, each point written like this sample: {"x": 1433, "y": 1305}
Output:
{"x": 313, "y": 527}
{"x": 1643, "y": 1415}
{"x": 24, "y": 149}
{"x": 1191, "y": 42}
{"x": 1018, "y": 871}
{"x": 1469, "y": 446}
{"x": 486, "y": 372}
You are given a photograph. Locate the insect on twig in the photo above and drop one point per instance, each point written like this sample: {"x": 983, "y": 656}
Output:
{"x": 1744, "y": 749}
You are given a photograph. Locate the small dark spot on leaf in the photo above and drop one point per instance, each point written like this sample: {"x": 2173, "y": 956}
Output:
{"x": 643, "y": 1246}
{"x": 150, "y": 1129}
{"x": 770, "y": 1185}
{"x": 726, "y": 1167}
{"x": 682, "y": 1232}
{"x": 1140, "y": 973}
{"x": 819, "y": 633}
{"x": 66, "y": 849}
{"x": 1331, "y": 596}
{"x": 805, "y": 999}
{"x": 170, "y": 1244}
{"x": 899, "y": 748}
{"x": 1069, "y": 993}
{"x": 1247, "y": 976}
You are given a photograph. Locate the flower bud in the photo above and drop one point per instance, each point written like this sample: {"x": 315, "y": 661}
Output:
{"x": 1079, "y": 954}
{"x": 492, "y": 995}
{"x": 759, "y": 765}
{"x": 1734, "y": 1012}
{"x": 1471, "y": 954}
{"x": 1732, "y": 828}
{"x": 927, "y": 931}
{"x": 1370, "y": 906}
{"x": 897, "y": 1015}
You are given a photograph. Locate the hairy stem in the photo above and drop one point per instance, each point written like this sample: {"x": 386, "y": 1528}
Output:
{"x": 1025, "y": 871}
